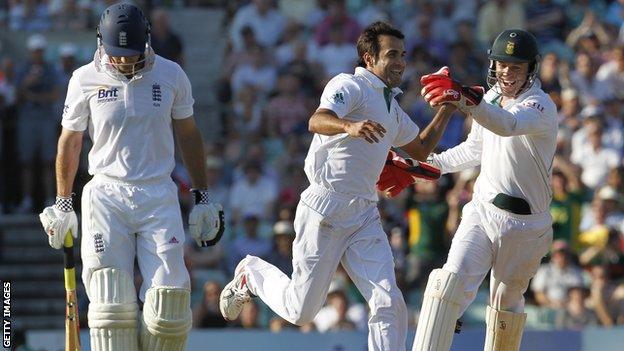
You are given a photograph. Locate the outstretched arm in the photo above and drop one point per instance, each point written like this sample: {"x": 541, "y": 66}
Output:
{"x": 529, "y": 117}
{"x": 462, "y": 156}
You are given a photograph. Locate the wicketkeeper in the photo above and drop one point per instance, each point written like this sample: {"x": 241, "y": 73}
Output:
{"x": 506, "y": 228}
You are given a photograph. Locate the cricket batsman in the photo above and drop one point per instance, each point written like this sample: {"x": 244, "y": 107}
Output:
{"x": 132, "y": 102}
{"x": 506, "y": 228}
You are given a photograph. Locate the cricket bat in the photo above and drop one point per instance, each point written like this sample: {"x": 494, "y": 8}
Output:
{"x": 72, "y": 329}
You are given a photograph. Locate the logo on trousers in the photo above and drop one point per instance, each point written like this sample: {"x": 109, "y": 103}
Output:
{"x": 98, "y": 242}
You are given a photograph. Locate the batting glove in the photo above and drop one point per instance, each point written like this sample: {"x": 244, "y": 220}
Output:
{"x": 439, "y": 88}
{"x": 206, "y": 220}
{"x": 399, "y": 173}
{"x": 59, "y": 220}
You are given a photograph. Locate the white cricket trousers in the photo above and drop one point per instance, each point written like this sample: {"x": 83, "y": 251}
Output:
{"x": 121, "y": 221}
{"x": 511, "y": 245}
{"x": 332, "y": 228}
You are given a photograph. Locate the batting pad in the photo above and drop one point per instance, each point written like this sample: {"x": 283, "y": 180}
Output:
{"x": 439, "y": 312}
{"x": 167, "y": 319}
{"x": 503, "y": 330}
{"x": 112, "y": 311}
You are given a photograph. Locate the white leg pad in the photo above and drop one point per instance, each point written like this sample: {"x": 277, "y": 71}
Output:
{"x": 503, "y": 330}
{"x": 167, "y": 319}
{"x": 440, "y": 311}
{"x": 113, "y": 311}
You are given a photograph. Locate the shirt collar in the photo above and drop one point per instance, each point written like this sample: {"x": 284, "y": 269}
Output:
{"x": 375, "y": 81}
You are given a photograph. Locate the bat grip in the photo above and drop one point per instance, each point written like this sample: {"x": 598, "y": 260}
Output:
{"x": 69, "y": 263}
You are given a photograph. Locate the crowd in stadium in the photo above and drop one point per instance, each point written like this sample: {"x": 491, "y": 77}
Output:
{"x": 279, "y": 56}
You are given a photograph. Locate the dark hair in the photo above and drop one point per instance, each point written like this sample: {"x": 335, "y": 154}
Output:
{"x": 368, "y": 42}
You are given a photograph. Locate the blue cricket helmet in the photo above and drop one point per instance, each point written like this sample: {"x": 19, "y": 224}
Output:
{"x": 123, "y": 30}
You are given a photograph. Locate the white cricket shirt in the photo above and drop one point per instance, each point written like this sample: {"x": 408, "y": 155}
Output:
{"x": 514, "y": 145}
{"x": 352, "y": 165}
{"x": 129, "y": 121}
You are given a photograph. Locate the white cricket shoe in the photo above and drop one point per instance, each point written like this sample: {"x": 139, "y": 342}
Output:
{"x": 235, "y": 294}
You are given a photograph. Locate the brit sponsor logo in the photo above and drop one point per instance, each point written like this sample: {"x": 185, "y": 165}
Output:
{"x": 107, "y": 94}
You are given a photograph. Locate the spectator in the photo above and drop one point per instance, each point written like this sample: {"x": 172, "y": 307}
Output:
{"x": 337, "y": 315}
{"x": 69, "y": 15}
{"x": 281, "y": 255}
{"x": 337, "y": 14}
{"x": 306, "y": 12}
{"x": 606, "y": 297}
{"x": 65, "y": 68}
{"x": 605, "y": 250}
{"x": 247, "y": 111}
{"x": 288, "y": 111}
{"x": 575, "y": 315}
{"x": 258, "y": 73}
{"x": 593, "y": 157}
{"x": 612, "y": 72}
{"x": 338, "y": 55}
{"x": 590, "y": 33}
{"x": 583, "y": 79}
{"x": 377, "y": 10}
{"x": 437, "y": 47}
{"x": 604, "y": 211}
{"x": 253, "y": 194}
{"x": 428, "y": 239}
{"x": 552, "y": 280}
{"x": 496, "y": 16}
{"x": 249, "y": 243}
{"x": 37, "y": 123}
{"x": 568, "y": 197}
{"x": 546, "y": 20}
{"x": 457, "y": 197}
{"x": 569, "y": 111}
{"x": 267, "y": 24}
{"x": 29, "y": 16}
{"x": 249, "y": 316}
{"x": 549, "y": 76}
{"x": 206, "y": 313}
{"x": 165, "y": 42}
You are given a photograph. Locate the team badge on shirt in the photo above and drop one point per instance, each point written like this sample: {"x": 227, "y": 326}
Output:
{"x": 338, "y": 98}
{"x": 156, "y": 94}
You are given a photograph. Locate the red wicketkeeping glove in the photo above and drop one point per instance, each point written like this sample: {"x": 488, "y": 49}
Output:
{"x": 439, "y": 88}
{"x": 399, "y": 173}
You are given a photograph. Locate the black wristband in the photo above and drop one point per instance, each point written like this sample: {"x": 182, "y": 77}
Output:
{"x": 200, "y": 196}
{"x": 65, "y": 204}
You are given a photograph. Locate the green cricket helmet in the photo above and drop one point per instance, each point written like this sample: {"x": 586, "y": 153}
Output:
{"x": 517, "y": 46}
